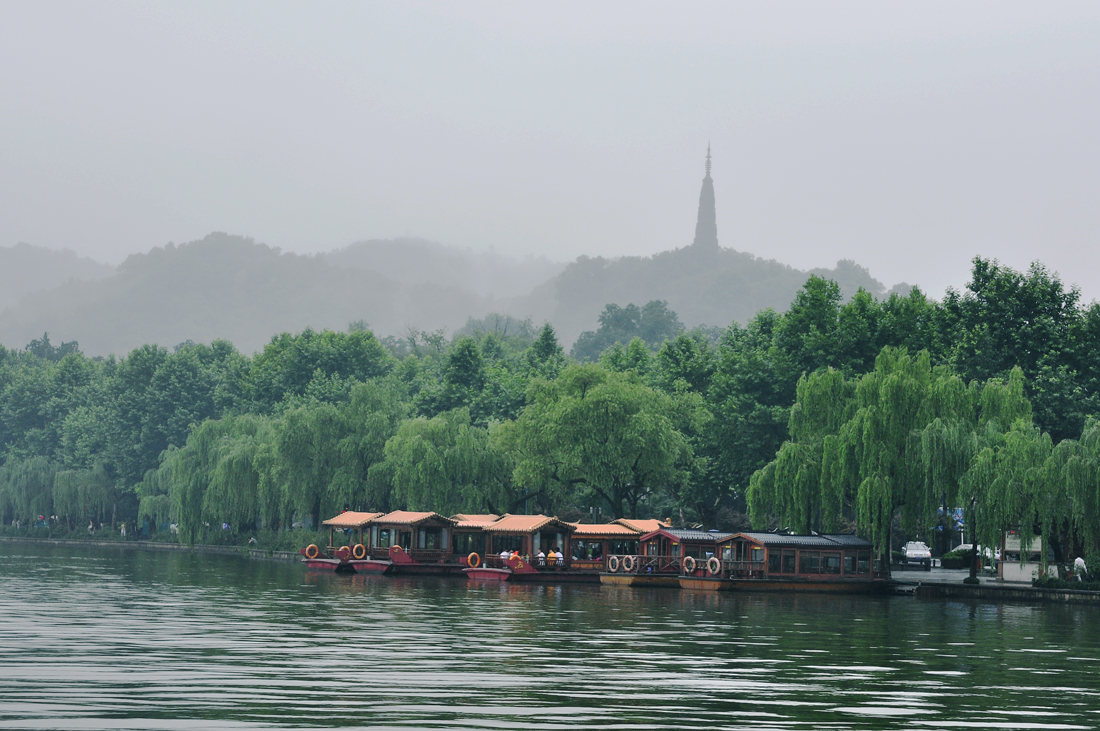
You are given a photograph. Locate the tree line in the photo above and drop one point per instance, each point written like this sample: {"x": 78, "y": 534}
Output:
{"x": 868, "y": 413}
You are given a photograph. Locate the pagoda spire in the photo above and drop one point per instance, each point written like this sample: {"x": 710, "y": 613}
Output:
{"x": 706, "y": 227}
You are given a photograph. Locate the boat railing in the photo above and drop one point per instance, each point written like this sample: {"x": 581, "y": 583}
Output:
{"x": 744, "y": 569}
{"x": 644, "y": 564}
{"x": 495, "y": 561}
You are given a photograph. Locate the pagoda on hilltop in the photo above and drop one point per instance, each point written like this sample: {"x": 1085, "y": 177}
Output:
{"x": 706, "y": 227}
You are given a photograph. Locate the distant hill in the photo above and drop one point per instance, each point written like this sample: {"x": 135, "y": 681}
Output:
{"x": 228, "y": 287}
{"x": 25, "y": 269}
{"x": 418, "y": 261}
{"x": 704, "y": 286}
{"x": 231, "y": 287}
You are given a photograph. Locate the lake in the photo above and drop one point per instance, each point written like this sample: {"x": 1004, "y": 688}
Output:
{"x": 104, "y": 638}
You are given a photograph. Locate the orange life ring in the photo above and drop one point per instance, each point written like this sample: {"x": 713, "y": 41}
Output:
{"x": 359, "y": 551}
{"x": 613, "y": 564}
{"x": 397, "y": 548}
{"x": 689, "y": 565}
{"x": 713, "y": 565}
{"x": 628, "y": 564}
{"x": 312, "y": 551}
{"x": 473, "y": 560}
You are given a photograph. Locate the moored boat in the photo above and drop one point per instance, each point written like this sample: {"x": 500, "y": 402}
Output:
{"x": 351, "y": 558}
{"x": 663, "y": 553}
{"x": 756, "y": 561}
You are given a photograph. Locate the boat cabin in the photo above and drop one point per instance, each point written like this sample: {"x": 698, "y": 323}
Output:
{"x": 592, "y": 543}
{"x": 469, "y": 534}
{"x": 528, "y": 534}
{"x": 424, "y": 536}
{"x": 813, "y": 557}
{"x": 682, "y": 542}
{"x": 348, "y": 522}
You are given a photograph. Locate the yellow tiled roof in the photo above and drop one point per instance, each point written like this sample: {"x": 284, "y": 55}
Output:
{"x": 642, "y": 526}
{"x": 407, "y": 517}
{"x": 474, "y": 521}
{"x": 604, "y": 530}
{"x": 526, "y": 524}
{"x": 349, "y": 519}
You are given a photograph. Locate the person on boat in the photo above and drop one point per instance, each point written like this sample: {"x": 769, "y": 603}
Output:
{"x": 505, "y": 554}
{"x": 551, "y": 557}
{"x": 541, "y": 557}
{"x": 559, "y": 559}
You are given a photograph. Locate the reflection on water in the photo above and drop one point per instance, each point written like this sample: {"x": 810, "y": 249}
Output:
{"x": 114, "y": 639}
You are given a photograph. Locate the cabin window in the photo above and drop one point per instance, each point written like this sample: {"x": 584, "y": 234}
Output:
{"x": 863, "y": 562}
{"x": 405, "y": 538}
{"x": 775, "y": 562}
{"x": 727, "y": 553}
{"x": 508, "y": 543}
{"x": 467, "y": 543}
{"x": 758, "y": 554}
{"x": 788, "y": 562}
{"x": 830, "y": 563}
{"x": 383, "y": 537}
{"x": 431, "y": 538}
{"x": 675, "y": 549}
{"x": 849, "y": 563}
{"x": 624, "y": 548}
{"x": 810, "y": 562}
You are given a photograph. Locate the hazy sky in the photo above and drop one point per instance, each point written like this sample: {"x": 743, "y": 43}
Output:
{"x": 907, "y": 137}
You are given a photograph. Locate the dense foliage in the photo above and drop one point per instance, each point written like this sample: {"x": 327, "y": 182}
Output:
{"x": 874, "y": 413}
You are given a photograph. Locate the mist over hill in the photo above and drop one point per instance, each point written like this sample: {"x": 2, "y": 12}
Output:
{"x": 234, "y": 288}
{"x": 25, "y": 269}
{"x": 419, "y": 261}
{"x": 227, "y": 287}
{"x": 704, "y": 286}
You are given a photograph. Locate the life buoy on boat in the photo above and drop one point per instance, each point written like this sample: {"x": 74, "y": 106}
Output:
{"x": 473, "y": 560}
{"x": 628, "y": 564}
{"x": 312, "y": 551}
{"x": 713, "y": 565}
{"x": 613, "y": 564}
{"x": 689, "y": 565}
{"x": 359, "y": 551}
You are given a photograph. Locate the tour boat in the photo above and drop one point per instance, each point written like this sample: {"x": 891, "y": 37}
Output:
{"x": 832, "y": 563}
{"x": 662, "y": 553}
{"x": 352, "y": 558}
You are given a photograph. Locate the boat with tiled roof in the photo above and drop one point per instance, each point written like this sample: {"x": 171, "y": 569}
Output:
{"x": 783, "y": 561}
{"x": 349, "y": 558}
{"x": 661, "y": 557}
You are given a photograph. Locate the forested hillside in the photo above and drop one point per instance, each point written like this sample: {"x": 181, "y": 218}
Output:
{"x": 25, "y": 269}
{"x": 703, "y": 286}
{"x": 230, "y": 287}
{"x": 855, "y": 414}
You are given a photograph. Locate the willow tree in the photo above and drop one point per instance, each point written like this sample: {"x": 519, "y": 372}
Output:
{"x": 80, "y": 494}
{"x": 895, "y": 442}
{"x": 447, "y": 465}
{"x": 598, "y": 435}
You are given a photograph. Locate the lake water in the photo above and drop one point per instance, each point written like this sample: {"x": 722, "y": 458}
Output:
{"x": 107, "y": 638}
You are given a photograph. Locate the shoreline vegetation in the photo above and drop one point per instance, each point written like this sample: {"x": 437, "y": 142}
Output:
{"x": 900, "y": 418}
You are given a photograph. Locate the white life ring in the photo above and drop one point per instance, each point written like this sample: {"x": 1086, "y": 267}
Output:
{"x": 613, "y": 564}
{"x": 713, "y": 565}
{"x": 628, "y": 564}
{"x": 689, "y": 565}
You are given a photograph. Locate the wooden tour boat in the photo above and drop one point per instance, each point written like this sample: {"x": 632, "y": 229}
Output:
{"x": 831, "y": 563}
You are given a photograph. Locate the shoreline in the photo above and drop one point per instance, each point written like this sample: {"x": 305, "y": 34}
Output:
{"x": 259, "y": 554}
{"x": 988, "y": 590}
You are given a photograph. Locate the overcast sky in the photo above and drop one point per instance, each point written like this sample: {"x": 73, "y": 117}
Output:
{"x": 910, "y": 138}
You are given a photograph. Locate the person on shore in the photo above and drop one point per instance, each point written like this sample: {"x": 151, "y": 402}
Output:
{"x": 91, "y": 528}
{"x": 1079, "y": 569}
{"x": 123, "y": 531}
